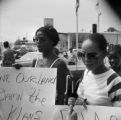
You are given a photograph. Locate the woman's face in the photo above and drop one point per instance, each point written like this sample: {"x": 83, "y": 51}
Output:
{"x": 44, "y": 44}
{"x": 91, "y": 55}
{"x": 114, "y": 59}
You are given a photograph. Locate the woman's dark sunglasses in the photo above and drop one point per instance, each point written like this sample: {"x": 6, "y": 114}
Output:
{"x": 90, "y": 56}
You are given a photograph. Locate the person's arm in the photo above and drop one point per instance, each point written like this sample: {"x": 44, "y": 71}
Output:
{"x": 34, "y": 62}
{"x": 62, "y": 72}
{"x": 79, "y": 96}
{"x": 17, "y": 66}
{"x": 16, "y": 54}
{"x": 81, "y": 100}
{"x": 71, "y": 114}
{"x": 115, "y": 92}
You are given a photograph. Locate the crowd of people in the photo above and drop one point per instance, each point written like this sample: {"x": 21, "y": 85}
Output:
{"x": 100, "y": 85}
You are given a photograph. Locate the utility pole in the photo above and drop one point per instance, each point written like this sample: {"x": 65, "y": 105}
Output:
{"x": 99, "y": 13}
{"x": 77, "y": 31}
{"x": 77, "y": 7}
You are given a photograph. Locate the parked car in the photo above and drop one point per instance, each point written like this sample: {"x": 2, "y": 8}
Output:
{"x": 27, "y": 59}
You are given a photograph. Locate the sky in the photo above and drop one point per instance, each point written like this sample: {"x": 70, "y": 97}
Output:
{"x": 21, "y": 18}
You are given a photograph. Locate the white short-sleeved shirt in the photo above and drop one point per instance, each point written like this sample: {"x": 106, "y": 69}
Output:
{"x": 103, "y": 89}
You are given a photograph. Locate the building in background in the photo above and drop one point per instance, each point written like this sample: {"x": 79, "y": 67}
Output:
{"x": 68, "y": 40}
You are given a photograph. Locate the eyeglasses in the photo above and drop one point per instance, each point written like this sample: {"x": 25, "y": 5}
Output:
{"x": 91, "y": 56}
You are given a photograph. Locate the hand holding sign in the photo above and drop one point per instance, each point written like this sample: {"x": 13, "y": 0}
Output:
{"x": 24, "y": 92}
{"x": 71, "y": 115}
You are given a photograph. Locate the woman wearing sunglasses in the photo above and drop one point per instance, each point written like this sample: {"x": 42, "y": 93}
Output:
{"x": 114, "y": 57}
{"x": 100, "y": 85}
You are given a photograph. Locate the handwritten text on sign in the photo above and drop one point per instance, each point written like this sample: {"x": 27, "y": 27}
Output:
{"x": 92, "y": 113}
{"x": 25, "y": 90}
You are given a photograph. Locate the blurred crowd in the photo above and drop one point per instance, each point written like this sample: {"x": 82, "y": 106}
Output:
{"x": 70, "y": 56}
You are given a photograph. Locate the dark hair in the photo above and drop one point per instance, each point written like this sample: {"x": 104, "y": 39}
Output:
{"x": 99, "y": 39}
{"x": 6, "y": 44}
{"x": 50, "y": 32}
{"x": 116, "y": 49}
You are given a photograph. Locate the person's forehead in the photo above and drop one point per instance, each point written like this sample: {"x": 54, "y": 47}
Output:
{"x": 89, "y": 46}
{"x": 39, "y": 33}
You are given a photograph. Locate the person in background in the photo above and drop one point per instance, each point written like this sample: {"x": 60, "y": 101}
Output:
{"x": 70, "y": 52}
{"x": 23, "y": 50}
{"x": 79, "y": 55}
{"x": 100, "y": 85}
{"x": 114, "y": 57}
{"x": 72, "y": 58}
{"x": 46, "y": 39}
{"x": 65, "y": 55}
{"x": 56, "y": 51}
{"x": 8, "y": 55}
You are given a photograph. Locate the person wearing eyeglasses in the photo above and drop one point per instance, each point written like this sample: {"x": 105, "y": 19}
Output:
{"x": 46, "y": 39}
{"x": 100, "y": 85}
{"x": 114, "y": 57}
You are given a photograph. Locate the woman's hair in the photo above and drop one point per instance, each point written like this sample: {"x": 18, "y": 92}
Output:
{"x": 6, "y": 44}
{"x": 116, "y": 49}
{"x": 99, "y": 39}
{"x": 50, "y": 32}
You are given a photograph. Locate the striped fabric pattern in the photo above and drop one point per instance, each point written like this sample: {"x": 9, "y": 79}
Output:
{"x": 115, "y": 87}
{"x": 103, "y": 89}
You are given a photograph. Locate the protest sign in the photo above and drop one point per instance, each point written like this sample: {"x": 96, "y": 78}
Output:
{"x": 92, "y": 113}
{"x": 29, "y": 94}
{"x": 24, "y": 93}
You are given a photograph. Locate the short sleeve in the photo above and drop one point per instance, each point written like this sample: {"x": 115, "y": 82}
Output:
{"x": 115, "y": 91}
{"x": 80, "y": 90}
